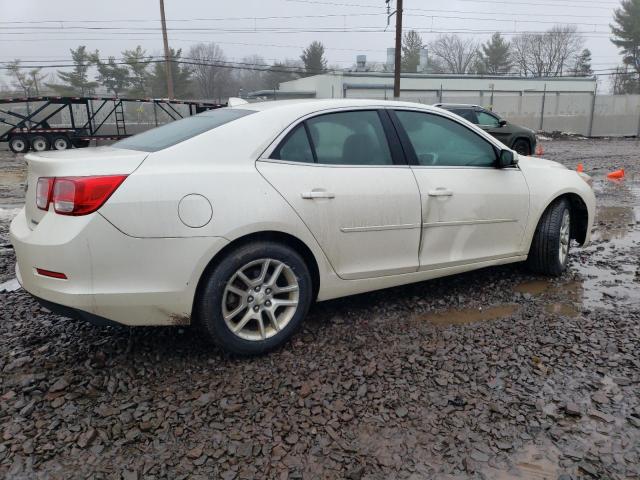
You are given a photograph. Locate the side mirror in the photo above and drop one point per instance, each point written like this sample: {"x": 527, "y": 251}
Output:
{"x": 503, "y": 123}
{"x": 507, "y": 158}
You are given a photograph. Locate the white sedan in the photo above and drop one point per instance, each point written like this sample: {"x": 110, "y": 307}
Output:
{"x": 239, "y": 218}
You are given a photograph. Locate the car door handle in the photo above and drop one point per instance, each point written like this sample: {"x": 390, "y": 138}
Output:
{"x": 440, "y": 192}
{"x": 317, "y": 194}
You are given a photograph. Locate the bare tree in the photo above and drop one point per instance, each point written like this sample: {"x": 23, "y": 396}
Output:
{"x": 548, "y": 54}
{"x": 28, "y": 82}
{"x": 211, "y": 72}
{"x": 252, "y": 75}
{"x": 454, "y": 54}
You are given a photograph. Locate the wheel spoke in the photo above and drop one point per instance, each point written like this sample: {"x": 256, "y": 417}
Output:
{"x": 275, "y": 275}
{"x": 287, "y": 289}
{"x": 272, "y": 319}
{"x": 246, "y": 280}
{"x": 236, "y": 291}
{"x": 284, "y": 303}
{"x": 263, "y": 272}
{"x": 241, "y": 324}
{"x": 235, "y": 311}
{"x": 263, "y": 334}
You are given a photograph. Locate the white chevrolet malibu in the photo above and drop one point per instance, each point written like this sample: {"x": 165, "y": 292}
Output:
{"x": 237, "y": 219}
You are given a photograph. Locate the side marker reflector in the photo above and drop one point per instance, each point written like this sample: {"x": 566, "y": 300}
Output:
{"x": 49, "y": 273}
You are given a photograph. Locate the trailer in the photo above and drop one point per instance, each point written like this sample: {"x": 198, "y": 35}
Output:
{"x": 58, "y": 123}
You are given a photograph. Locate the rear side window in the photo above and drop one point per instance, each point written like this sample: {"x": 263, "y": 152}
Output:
{"x": 441, "y": 142}
{"x": 345, "y": 138}
{"x": 467, "y": 114}
{"x": 295, "y": 148}
{"x": 175, "y": 132}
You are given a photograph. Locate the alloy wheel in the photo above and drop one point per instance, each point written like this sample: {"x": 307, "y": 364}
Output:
{"x": 565, "y": 237}
{"x": 260, "y": 299}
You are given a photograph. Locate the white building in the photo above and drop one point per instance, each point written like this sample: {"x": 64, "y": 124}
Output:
{"x": 555, "y": 103}
{"x": 431, "y": 87}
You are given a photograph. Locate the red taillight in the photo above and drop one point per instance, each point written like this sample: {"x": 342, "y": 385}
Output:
{"x": 43, "y": 192}
{"x": 49, "y": 273}
{"x": 76, "y": 195}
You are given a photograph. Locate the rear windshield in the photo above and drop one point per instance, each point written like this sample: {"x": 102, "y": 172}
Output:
{"x": 175, "y": 132}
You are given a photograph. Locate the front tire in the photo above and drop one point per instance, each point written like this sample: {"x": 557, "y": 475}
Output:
{"x": 549, "y": 253}
{"x": 255, "y": 298}
{"x": 522, "y": 146}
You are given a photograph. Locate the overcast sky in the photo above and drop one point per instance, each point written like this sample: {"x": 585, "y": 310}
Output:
{"x": 238, "y": 28}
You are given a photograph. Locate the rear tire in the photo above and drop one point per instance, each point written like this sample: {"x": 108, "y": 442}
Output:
{"x": 19, "y": 144}
{"x": 255, "y": 298}
{"x": 522, "y": 146}
{"x": 549, "y": 251}
{"x": 60, "y": 143}
{"x": 40, "y": 143}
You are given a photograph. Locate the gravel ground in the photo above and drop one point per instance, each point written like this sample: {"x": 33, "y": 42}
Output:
{"x": 495, "y": 374}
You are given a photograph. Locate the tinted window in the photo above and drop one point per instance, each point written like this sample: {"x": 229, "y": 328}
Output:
{"x": 467, "y": 114}
{"x": 350, "y": 138}
{"x": 487, "y": 119}
{"x": 439, "y": 141}
{"x": 295, "y": 148}
{"x": 175, "y": 132}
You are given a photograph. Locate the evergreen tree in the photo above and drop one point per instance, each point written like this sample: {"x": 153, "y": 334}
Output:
{"x": 313, "y": 59}
{"x": 626, "y": 32}
{"x": 77, "y": 81}
{"x": 495, "y": 56}
{"x": 281, "y": 72}
{"x": 583, "y": 64}
{"x": 411, "y": 47}
{"x": 138, "y": 63}
{"x": 181, "y": 78}
{"x": 114, "y": 77}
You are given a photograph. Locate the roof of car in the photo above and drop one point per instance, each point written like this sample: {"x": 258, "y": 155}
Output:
{"x": 312, "y": 105}
{"x": 456, "y": 105}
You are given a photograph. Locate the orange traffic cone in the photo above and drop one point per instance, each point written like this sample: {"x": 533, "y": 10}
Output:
{"x": 580, "y": 168}
{"x": 539, "y": 151}
{"x": 617, "y": 174}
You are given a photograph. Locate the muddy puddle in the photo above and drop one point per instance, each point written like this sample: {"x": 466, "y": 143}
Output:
{"x": 607, "y": 272}
{"x": 533, "y": 462}
{"x": 469, "y": 315}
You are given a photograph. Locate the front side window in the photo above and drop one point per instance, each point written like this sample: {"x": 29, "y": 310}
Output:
{"x": 441, "y": 142}
{"x": 487, "y": 120}
{"x": 173, "y": 133}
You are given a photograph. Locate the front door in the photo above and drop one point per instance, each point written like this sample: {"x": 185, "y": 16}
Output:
{"x": 338, "y": 172}
{"x": 491, "y": 124}
{"x": 471, "y": 210}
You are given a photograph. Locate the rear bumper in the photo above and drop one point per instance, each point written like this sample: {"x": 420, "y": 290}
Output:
{"x": 70, "y": 312}
{"x": 118, "y": 278}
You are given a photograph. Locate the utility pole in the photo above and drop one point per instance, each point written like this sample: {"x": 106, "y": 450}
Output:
{"x": 398, "y": 50}
{"x": 167, "y": 53}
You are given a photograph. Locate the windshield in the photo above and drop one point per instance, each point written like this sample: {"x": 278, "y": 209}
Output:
{"x": 175, "y": 132}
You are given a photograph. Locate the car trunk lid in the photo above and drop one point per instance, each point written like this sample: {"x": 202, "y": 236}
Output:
{"x": 75, "y": 163}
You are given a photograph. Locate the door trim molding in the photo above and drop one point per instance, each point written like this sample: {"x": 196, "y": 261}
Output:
{"x": 380, "y": 228}
{"x": 467, "y": 222}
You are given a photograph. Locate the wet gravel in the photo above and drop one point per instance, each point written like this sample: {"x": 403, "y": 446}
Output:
{"x": 491, "y": 374}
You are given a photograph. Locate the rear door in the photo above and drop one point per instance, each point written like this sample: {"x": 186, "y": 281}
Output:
{"x": 345, "y": 176}
{"x": 471, "y": 210}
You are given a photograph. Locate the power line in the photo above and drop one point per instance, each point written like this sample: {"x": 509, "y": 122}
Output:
{"x": 511, "y": 3}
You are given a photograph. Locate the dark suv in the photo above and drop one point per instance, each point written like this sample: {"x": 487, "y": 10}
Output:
{"x": 520, "y": 139}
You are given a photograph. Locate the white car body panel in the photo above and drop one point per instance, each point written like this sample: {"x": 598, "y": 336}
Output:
{"x": 138, "y": 260}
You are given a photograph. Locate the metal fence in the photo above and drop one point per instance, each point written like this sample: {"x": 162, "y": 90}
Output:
{"x": 582, "y": 113}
